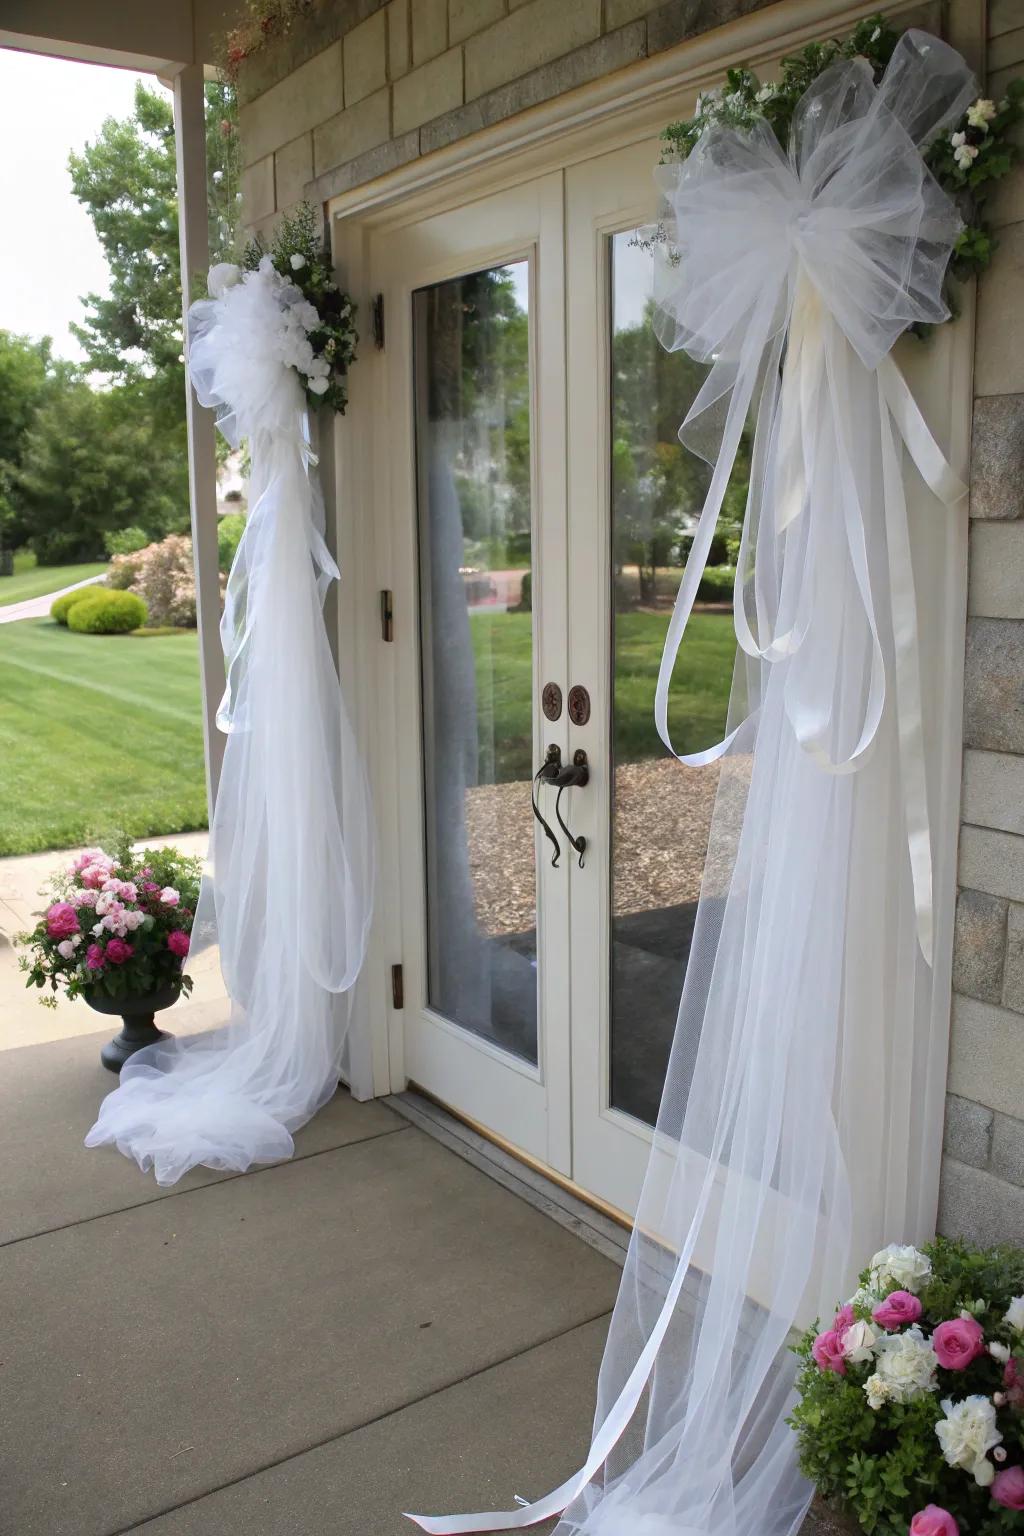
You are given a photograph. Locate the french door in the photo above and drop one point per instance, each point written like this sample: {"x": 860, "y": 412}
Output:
{"x": 538, "y": 505}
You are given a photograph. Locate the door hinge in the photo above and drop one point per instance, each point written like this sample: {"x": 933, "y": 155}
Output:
{"x": 397, "y": 987}
{"x": 387, "y": 614}
{"x": 377, "y": 316}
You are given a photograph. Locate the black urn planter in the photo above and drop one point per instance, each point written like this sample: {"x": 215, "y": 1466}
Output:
{"x": 139, "y": 1028}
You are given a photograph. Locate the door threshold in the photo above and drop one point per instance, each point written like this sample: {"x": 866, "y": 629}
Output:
{"x": 588, "y": 1218}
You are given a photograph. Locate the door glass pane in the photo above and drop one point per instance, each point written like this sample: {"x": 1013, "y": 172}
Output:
{"x": 661, "y": 811}
{"x": 474, "y": 511}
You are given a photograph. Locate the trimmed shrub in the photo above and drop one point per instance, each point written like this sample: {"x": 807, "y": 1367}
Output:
{"x": 106, "y": 612}
{"x": 125, "y": 541}
{"x": 716, "y": 584}
{"x": 62, "y": 606}
{"x": 229, "y": 533}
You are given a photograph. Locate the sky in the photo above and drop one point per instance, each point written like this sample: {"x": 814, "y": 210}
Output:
{"x": 49, "y": 254}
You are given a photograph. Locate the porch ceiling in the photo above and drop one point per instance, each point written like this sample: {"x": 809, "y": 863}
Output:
{"x": 153, "y": 37}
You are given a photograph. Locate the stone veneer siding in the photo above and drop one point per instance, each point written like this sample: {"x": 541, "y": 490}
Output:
{"x": 361, "y": 87}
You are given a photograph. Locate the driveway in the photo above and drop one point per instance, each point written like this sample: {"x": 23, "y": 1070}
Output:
{"x": 39, "y": 607}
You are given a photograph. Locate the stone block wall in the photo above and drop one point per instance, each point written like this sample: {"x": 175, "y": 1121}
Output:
{"x": 360, "y": 87}
{"x": 982, "y": 1193}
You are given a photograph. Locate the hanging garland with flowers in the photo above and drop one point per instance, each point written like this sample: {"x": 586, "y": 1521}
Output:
{"x": 966, "y": 162}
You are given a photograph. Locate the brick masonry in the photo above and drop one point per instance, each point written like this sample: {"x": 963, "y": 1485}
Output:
{"x": 982, "y": 1195}
{"x": 364, "y": 86}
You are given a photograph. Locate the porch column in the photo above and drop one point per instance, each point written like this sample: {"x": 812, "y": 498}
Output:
{"x": 190, "y": 149}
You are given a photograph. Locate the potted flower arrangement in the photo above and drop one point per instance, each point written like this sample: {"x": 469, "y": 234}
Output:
{"x": 911, "y": 1411}
{"x": 116, "y": 933}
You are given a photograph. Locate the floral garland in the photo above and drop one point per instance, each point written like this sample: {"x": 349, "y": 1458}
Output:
{"x": 265, "y": 20}
{"x": 965, "y": 162}
{"x": 911, "y": 1411}
{"x": 318, "y": 335}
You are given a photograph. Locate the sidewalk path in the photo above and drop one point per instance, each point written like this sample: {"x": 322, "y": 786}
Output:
{"x": 39, "y": 607}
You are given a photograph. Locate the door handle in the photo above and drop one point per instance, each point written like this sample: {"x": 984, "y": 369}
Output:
{"x": 548, "y": 773}
{"x": 575, "y": 774}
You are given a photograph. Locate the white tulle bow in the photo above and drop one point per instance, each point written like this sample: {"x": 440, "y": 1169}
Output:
{"x": 793, "y": 275}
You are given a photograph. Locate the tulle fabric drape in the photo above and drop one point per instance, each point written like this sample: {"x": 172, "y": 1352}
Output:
{"x": 792, "y": 1138}
{"x": 287, "y": 897}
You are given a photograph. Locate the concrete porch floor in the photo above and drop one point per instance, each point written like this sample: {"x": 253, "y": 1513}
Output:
{"x": 304, "y": 1350}
{"x": 308, "y": 1348}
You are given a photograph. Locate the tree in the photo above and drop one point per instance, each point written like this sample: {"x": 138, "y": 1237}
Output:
{"x": 28, "y": 374}
{"x": 127, "y": 181}
{"x": 92, "y": 462}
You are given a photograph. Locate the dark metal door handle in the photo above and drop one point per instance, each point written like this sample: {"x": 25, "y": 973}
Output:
{"x": 576, "y": 773}
{"x": 547, "y": 773}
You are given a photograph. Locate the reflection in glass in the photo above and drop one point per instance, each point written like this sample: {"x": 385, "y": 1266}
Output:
{"x": 473, "y": 471}
{"x": 661, "y": 811}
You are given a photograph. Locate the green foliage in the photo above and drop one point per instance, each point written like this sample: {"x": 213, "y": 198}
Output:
{"x": 28, "y": 376}
{"x": 716, "y": 584}
{"x": 991, "y": 151}
{"x": 62, "y": 606}
{"x": 125, "y": 541}
{"x": 93, "y": 462}
{"x": 127, "y": 181}
{"x": 883, "y": 1465}
{"x": 298, "y": 253}
{"x": 105, "y": 612}
{"x": 229, "y": 533}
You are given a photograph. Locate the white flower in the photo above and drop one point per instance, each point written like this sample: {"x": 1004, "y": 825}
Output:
{"x": 963, "y": 153}
{"x": 899, "y": 1267}
{"x": 864, "y": 1296}
{"x": 319, "y": 385}
{"x": 97, "y": 930}
{"x": 878, "y": 1391}
{"x": 104, "y": 902}
{"x": 859, "y": 1342}
{"x": 967, "y": 1433}
{"x": 297, "y": 260}
{"x": 222, "y": 277}
{"x": 981, "y": 114}
{"x": 999, "y": 1352}
{"x": 1014, "y": 1314}
{"x": 76, "y": 939}
{"x": 307, "y": 315}
{"x": 66, "y": 949}
{"x": 218, "y": 175}
{"x": 907, "y": 1363}
{"x": 766, "y": 92}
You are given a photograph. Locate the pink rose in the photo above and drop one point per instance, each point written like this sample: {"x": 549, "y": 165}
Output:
{"x": 933, "y": 1520}
{"x": 827, "y": 1350}
{"x": 94, "y": 876}
{"x": 149, "y": 886}
{"x": 61, "y": 920}
{"x": 843, "y": 1319}
{"x": 118, "y": 951}
{"x": 1008, "y": 1488}
{"x": 169, "y": 896}
{"x": 94, "y": 957}
{"x": 958, "y": 1342}
{"x": 897, "y": 1310}
{"x": 177, "y": 942}
{"x": 129, "y": 891}
{"x": 85, "y": 858}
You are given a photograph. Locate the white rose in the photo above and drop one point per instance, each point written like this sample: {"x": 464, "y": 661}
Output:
{"x": 981, "y": 114}
{"x": 999, "y": 1352}
{"x": 319, "y": 386}
{"x": 1014, "y": 1314}
{"x": 859, "y": 1342}
{"x": 97, "y": 931}
{"x": 223, "y": 275}
{"x": 864, "y": 1296}
{"x": 907, "y": 1362}
{"x": 307, "y": 315}
{"x": 878, "y": 1392}
{"x": 103, "y": 903}
{"x": 297, "y": 260}
{"x": 66, "y": 949}
{"x": 899, "y": 1267}
{"x": 967, "y": 1433}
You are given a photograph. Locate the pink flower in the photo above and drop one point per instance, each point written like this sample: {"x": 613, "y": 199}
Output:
{"x": 1008, "y": 1488}
{"x": 89, "y": 856}
{"x": 958, "y": 1342}
{"x": 898, "y": 1308}
{"x": 129, "y": 891}
{"x": 1013, "y": 1381}
{"x": 933, "y": 1520}
{"x": 94, "y": 957}
{"x": 84, "y": 898}
{"x": 61, "y": 920}
{"x": 169, "y": 896}
{"x": 843, "y": 1319}
{"x": 827, "y": 1350}
{"x": 177, "y": 942}
{"x": 118, "y": 951}
{"x": 95, "y": 876}
{"x": 149, "y": 886}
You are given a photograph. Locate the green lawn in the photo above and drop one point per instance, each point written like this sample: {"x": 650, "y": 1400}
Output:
{"x": 97, "y": 732}
{"x": 31, "y": 580}
{"x": 697, "y": 700}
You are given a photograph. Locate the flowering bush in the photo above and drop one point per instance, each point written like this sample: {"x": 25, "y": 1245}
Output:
{"x": 116, "y": 923}
{"x": 163, "y": 576}
{"x": 911, "y": 1411}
